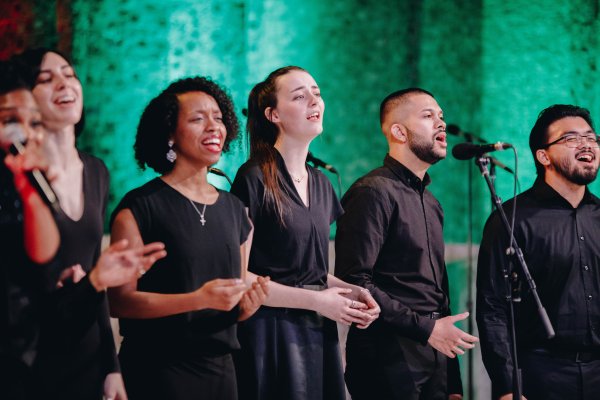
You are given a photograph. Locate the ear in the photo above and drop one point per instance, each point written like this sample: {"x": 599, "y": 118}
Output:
{"x": 271, "y": 114}
{"x": 542, "y": 157}
{"x": 398, "y": 132}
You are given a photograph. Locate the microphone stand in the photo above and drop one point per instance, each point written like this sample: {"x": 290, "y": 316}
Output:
{"x": 514, "y": 251}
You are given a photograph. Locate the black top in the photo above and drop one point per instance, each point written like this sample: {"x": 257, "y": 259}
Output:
{"x": 21, "y": 283}
{"x": 298, "y": 253}
{"x": 561, "y": 246}
{"x": 196, "y": 254}
{"x": 390, "y": 241}
{"x": 77, "y": 348}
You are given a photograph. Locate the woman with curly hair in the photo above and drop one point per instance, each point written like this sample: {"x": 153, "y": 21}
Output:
{"x": 179, "y": 320}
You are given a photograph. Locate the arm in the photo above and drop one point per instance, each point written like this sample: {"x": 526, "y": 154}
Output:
{"x": 41, "y": 237}
{"x": 127, "y": 302}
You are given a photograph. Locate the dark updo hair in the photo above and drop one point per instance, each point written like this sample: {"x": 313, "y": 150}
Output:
{"x": 159, "y": 121}
{"x": 29, "y": 62}
{"x": 539, "y": 133}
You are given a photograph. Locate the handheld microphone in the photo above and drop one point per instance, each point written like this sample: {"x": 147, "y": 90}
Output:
{"x": 36, "y": 177}
{"x": 466, "y": 151}
{"x": 320, "y": 163}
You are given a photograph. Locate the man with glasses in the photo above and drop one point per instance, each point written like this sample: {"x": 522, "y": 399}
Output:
{"x": 558, "y": 228}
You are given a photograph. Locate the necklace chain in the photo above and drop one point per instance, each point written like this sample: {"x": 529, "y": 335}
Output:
{"x": 298, "y": 180}
{"x": 201, "y": 214}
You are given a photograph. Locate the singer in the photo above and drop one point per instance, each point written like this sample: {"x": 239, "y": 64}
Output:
{"x": 28, "y": 237}
{"x": 76, "y": 355}
{"x": 179, "y": 321}
{"x": 290, "y": 349}
{"x": 390, "y": 241}
{"x": 557, "y": 228}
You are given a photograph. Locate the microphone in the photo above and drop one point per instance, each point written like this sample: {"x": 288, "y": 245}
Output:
{"x": 219, "y": 172}
{"x": 320, "y": 163}
{"x": 466, "y": 151}
{"x": 36, "y": 177}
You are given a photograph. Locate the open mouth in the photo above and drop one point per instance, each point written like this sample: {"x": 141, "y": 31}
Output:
{"x": 315, "y": 116}
{"x": 586, "y": 157}
{"x": 440, "y": 137}
{"x": 213, "y": 143}
{"x": 65, "y": 99}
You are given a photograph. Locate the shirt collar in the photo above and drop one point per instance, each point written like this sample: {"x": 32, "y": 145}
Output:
{"x": 551, "y": 197}
{"x": 405, "y": 174}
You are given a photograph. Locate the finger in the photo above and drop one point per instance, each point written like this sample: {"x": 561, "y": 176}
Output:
{"x": 359, "y": 305}
{"x": 228, "y": 282}
{"x": 459, "y": 317}
{"x": 118, "y": 246}
{"x": 345, "y": 321}
{"x": 469, "y": 338}
{"x": 152, "y": 247}
{"x": 466, "y": 345}
{"x": 149, "y": 261}
{"x": 457, "y": 350}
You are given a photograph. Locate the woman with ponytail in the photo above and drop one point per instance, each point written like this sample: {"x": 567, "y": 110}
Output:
{"x": 290, "y": 347}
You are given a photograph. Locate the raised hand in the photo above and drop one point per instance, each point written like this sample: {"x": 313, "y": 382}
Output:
{"x": 450, "y": 340}
{"x": 254, "y": 297}
{"x": 119, "y": 265}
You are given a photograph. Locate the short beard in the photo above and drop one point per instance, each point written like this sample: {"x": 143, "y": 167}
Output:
{"x": 423, "y": 150}
{"x": 575, "y": 175}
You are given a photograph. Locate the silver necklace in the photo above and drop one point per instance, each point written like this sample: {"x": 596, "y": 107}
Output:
{"x": 201, "y": 214}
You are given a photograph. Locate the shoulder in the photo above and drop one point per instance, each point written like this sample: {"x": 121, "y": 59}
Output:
{"x": 90, "y": 161}
{"x": 230, "y": 200}
{"x": 375, "y": 183}
{"x": 249, "y": 170}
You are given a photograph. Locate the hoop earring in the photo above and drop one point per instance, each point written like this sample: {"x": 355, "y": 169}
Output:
{"x": 171, "y": 155}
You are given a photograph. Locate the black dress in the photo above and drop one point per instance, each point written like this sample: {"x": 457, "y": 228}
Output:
{"x": 289, "y": 354}
{"x": 77, "y": 348}
{"x": 21, "y": 288}
{"x": 187, "y": 355}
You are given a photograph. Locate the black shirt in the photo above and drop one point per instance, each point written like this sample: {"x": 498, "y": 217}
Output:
{"x": 561, "y": 246}
{"x": 196, "y": 254}
{"x": 390, "y": 241}
{"x": 297, "y": 254}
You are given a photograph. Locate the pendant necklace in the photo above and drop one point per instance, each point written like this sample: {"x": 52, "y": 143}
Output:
{"x": 298, "y": 180}
{"x": 201, "y": 214}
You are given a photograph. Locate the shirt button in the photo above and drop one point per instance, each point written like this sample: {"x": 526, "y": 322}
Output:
{"x": 589, "y": 297}
{"x": 581, "y": 237}
{"x": 586, "y": 267}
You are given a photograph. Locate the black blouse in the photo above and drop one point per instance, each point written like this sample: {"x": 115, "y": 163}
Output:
{"x": 196, "y": 254}
{"x": 298, "y": 253}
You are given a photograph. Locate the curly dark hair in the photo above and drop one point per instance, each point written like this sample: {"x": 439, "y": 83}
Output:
{"x": 159, "y": 121}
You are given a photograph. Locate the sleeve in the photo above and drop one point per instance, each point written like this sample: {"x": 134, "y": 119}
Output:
{"x": 361, "y": 232}
{"x": 246, "y": 224}
{"x": 108, "y": 349}
{"x": 492, "y": 310}
{"x": 247, "y": 187}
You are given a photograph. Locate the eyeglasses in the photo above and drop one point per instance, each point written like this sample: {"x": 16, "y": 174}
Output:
{"x": 574, "y": 141}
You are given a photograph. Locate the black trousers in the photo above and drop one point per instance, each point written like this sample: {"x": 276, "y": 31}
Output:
{"x": 553, "y": 378}
{"x": 385, "y": 365}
